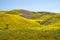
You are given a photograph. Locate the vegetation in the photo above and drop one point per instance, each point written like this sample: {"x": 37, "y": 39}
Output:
{"x": 29, "y": 25}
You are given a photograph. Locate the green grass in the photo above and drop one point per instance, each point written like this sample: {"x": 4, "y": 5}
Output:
{"x": 30, "y": 35}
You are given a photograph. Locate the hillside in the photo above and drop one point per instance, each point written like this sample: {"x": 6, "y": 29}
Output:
{"x": 29, "y": 25}
{"x": 44, "y": 18}
{"x": 36, "y": 19}
{"x": 13, "y": 22}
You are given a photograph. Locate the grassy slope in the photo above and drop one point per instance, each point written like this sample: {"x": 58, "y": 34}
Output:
{"x": 30, "y": 34}
{"x": 30, "y": 29}
{"x": 13, "y": 22}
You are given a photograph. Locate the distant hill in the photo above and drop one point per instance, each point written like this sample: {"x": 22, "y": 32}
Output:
{"x": 40, "y": 17}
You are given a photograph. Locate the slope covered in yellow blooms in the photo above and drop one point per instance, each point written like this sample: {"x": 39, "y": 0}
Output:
{"x": 29, "y": 25}
{"x": 13, "y": 22}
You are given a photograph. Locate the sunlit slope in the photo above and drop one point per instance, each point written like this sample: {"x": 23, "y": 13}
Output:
{"x": 13, "y": 22}
{"x": 49, "y": 20}
{"x": 3, "y": 12}
{"x": 25, "y": 13}
{"x": 43, "y": 18}
{"x": 20, "y": 26}
{"x": 30, "y": 35}
{"x": 55, "y": 20}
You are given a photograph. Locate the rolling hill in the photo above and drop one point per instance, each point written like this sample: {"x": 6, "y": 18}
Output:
{"x": 13, "y": 22}
{"x": 44, "y": 18}
{"x": 28, "y": 25}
